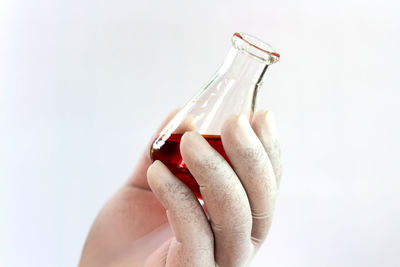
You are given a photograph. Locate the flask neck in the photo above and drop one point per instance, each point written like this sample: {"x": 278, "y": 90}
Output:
{"x": 232, "y": 90}
{"x": 243, "y": 66}
{"x": 245, "y": 74}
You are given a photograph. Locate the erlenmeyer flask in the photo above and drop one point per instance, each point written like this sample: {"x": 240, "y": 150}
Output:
{"x": 232, "y": 90}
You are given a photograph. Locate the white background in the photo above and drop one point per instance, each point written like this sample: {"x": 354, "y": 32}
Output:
{"x": 83, "y": 85}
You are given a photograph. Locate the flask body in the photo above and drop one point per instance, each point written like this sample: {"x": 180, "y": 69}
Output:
{"x": 232, "y": 90}
{"x": 169, "y": 153}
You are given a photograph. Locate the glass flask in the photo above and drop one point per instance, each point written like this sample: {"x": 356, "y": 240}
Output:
{"x": 232, "y": 90}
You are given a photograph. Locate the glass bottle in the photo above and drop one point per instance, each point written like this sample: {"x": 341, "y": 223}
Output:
{"x": 232, "y": 90}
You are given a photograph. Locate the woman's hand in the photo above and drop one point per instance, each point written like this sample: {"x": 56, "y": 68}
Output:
{"x": 134, "y": 227}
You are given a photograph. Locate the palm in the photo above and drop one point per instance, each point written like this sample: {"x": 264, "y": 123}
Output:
{"x": 130, "y": 226}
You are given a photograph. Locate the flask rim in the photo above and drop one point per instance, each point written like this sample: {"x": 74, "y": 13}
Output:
{"x": 255, "y": 47}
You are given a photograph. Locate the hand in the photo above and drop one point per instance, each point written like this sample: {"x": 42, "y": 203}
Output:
{"x": 133, "y": 230}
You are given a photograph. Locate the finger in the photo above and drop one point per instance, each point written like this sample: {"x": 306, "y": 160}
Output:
{"x": 253, "y": 167}
{"x": 224, "y": 198}
{"x": 193, "y": 242}
{"x": 264, "y": 126}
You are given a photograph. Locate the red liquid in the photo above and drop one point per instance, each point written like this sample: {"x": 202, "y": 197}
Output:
{"x": 169, "y": 153}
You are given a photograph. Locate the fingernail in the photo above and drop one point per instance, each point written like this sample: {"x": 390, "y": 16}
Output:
{"x": 194, "y": 148}
{"x": 150, "y": 173}
{"x": 244, "y": 123}
{"x": 194, "y": 138}
{"x": 192, "y": 135}
{"x": 154, "y": 166}
{"x": 155, "y": 163}
{"x": 271, "y": 126}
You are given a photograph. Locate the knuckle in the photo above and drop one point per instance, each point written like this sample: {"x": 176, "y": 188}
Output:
{"x": 252, "y": 153}
{"x": 181, "y": 202}
{"x": 170, "y": 188}
{"x": 262, "y": 216}
{"x": 273, "y": 148}
{"x": 202, "y": 164}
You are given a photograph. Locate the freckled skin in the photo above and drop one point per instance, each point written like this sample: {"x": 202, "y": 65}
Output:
{"x": 159, "y": 222}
